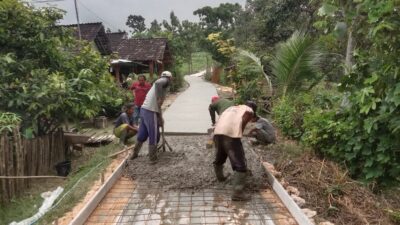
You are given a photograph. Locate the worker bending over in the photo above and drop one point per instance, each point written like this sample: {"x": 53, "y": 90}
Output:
{"x": 218, "y": 105}
{"x": 227, "y": 137}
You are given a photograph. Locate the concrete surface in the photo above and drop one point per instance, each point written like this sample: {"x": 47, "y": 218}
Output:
{"x": 189, "y": 113}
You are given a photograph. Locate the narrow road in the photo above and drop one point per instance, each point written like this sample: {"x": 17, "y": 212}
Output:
{"x": 181, "y": 188}
{"x": 189, "y": 112}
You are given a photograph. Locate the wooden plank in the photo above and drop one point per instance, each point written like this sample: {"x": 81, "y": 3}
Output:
{"x": 28, "y": 160}
{"x": 35, "y": 143}
{"x": 3, "y": 149}
{"x": 293, "y": 208}
{"x": 85, "y": 212}
{"x": 47, "y": 150}
{"x": 10, "y": 168}
{"x": 19, "y": 164}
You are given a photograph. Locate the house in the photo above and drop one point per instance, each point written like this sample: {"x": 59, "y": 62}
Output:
{"x": 95, "y": 34}
{"x": 139, "y": 55}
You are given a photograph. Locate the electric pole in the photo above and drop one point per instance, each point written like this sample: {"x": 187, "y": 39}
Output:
{"x": 77, "y": 19}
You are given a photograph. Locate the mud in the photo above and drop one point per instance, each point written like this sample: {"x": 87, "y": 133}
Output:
{"x": 189, "y": 166}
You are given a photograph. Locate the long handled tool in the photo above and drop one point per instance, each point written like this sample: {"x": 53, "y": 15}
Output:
{"x": 164, "y": 141}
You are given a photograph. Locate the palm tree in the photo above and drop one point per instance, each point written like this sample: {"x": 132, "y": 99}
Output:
{"x": 295, "y": 66}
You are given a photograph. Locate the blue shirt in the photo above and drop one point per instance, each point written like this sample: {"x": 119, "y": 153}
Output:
{"x": 124, "y": 119}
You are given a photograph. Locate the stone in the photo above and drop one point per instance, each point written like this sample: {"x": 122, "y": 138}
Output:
{"x": 293, "y": 190}
{"x": 326, "y": 223}
{"x": 309, "y": 213}
{"x": 299, "y": 201}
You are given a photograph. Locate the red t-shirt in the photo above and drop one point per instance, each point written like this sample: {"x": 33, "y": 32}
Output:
{"x": 140, "y": 92}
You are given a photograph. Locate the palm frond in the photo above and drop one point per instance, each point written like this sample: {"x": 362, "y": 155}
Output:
{"x": 296, "y": 63}
{"x": 257, "y": 60}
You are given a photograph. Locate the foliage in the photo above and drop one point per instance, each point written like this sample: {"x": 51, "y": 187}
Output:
{"x": 217, "y": 19}
{"x": 222, "y": 48}
{"x": 264, "y": 23}
{"x": 288, "y": 115}
{"x": 247, "y": 79}
{"x": 295, "y": 114}
{"x": 46, "y": 76}
{"x": 155, "y": 28}
{"x": 8, "y": 121}
{"x": 136, "y": 22}
{"x": 365, "y": 134}
{"x": 295, "y": 66}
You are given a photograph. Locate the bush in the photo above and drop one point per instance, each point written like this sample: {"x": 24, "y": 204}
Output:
{"x": 290, "y": 112}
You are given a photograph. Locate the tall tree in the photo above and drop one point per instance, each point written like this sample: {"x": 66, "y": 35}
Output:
{"x": 218, "y": 18}
{"x": 155, "y": 28}
{"x": 274, "y": 21}
{"x": 136, "y": 22}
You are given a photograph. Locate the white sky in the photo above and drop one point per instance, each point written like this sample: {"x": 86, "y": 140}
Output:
{"x": 113, "y": 13}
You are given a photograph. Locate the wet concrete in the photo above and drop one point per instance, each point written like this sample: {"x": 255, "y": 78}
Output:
{"x": 182, "y": 189}
{"x": 152, "y": 205}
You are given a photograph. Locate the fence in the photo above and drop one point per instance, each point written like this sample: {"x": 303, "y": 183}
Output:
{"x": 27, "y": 157}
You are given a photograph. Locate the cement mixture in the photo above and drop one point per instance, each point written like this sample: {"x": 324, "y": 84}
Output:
{"x": 190, "y": 167}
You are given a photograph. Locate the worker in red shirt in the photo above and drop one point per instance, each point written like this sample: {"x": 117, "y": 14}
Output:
{"x": 140, "y": 89}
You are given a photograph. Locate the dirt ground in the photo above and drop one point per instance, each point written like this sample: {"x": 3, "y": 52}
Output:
{"x": 189, "y": 166}
{"x": 328, "y": 189}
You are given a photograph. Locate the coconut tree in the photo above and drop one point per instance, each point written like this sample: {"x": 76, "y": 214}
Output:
{"x": 295, "y": 66}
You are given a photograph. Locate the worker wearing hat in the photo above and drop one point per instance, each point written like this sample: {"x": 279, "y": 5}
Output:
{"x": 151, "y": 117}
{"x": 218, "y": 105}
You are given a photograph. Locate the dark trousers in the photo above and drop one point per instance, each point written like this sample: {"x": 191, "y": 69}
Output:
{"x": 232, "y": 148}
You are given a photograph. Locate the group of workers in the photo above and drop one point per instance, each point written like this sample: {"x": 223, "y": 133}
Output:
{"x": 228, "y": 130}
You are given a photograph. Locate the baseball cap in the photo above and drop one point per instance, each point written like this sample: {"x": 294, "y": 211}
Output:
{"x": 166, "y": 74}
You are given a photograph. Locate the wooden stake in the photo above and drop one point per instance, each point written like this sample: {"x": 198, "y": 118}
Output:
{"x": 102, "y": 177}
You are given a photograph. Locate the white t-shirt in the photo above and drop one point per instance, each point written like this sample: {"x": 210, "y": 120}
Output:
{"x": 231, "y": 121}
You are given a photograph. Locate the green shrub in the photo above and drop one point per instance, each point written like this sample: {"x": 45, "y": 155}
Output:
{"x": 288, "y": 118}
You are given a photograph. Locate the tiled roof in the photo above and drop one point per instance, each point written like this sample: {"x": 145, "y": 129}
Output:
{"x": 88, "y": 30}
{"x": 142, "y": 49}
{"x": 93, "y": 32}
{"x": 115, "y": 39}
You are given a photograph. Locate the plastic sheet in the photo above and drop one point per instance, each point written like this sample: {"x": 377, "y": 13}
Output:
{"x": 49, "y": 198}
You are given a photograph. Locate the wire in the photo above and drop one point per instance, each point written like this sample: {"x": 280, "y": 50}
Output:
{"x": 87, "y": 8}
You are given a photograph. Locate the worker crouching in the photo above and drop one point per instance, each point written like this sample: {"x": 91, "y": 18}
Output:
{"x": 124, "y": 125}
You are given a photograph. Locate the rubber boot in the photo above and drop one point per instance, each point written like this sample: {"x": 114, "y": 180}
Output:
{"x": 153, "y": 154}
{"x": 239, "y": 181}
{"x": 136, "y": 150}
{"x": 219, "y": 172}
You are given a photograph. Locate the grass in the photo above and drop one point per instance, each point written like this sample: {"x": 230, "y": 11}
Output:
{"x": 27, "y": 205}
{"x": 199, "y": 61}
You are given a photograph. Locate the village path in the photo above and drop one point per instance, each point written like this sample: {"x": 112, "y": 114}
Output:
{"x": 189, "y": 112}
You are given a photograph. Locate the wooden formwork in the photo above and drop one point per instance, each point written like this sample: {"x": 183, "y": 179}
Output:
{"x": 27, "y": 157}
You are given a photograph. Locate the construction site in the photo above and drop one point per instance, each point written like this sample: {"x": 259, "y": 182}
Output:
{"x": 181, "y": 188}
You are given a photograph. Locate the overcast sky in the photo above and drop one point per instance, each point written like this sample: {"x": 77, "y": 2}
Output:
{"x": 113, "y": 13}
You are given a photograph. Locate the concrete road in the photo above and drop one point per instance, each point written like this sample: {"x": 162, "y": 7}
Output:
{"x": 189, "y": 113}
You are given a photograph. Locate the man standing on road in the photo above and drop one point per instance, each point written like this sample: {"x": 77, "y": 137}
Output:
{"x": 140, "y": 89}
{"x": 227, "y": 137}
{"x": 151, "y": 117}
{"x": 124, "y": 126}
{"x": 218, "y": 105}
